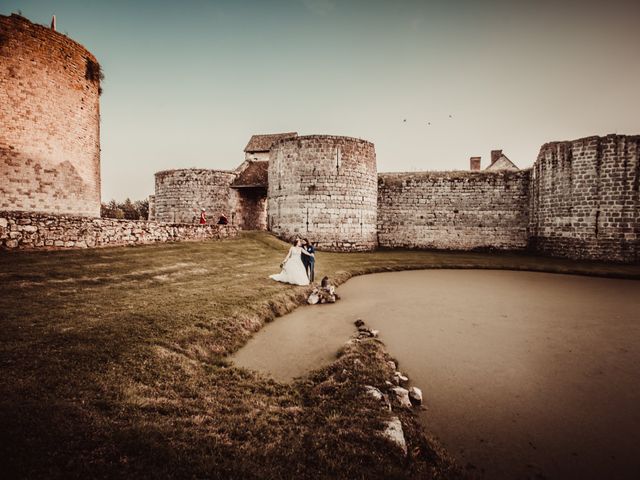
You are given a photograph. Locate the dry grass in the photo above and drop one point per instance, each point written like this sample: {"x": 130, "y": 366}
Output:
{"x": 112, "y": 363}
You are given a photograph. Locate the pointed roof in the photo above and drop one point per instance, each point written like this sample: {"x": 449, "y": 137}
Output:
{"x": 501, "y": 162}
{"x": 263, "y": 143}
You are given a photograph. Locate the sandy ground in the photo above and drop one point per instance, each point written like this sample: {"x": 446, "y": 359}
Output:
{"x": 525, "y": 375}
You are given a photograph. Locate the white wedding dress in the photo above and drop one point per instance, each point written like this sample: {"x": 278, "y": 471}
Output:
{"x": 293, "y": 270}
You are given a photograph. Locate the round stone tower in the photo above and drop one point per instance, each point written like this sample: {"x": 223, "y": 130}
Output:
{"x": 324, "y": 188}
{"x": 181, "y": 194}
{"x": 49, "y": 121}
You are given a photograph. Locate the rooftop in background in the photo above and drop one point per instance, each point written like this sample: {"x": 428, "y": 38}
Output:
{"x": 263, "y": 143}
{"x": 255, "y": 174}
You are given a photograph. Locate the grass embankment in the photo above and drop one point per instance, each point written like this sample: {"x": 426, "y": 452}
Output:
{"x": 112, "y": 362}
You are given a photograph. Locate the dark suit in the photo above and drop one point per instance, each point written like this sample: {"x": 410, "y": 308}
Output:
{"x": 309, "y": 262}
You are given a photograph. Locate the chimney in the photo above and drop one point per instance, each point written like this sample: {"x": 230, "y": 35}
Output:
{"x": 475, "y": 164}
{"x": 53, "y": 23}
{"x": 495, "y": 155}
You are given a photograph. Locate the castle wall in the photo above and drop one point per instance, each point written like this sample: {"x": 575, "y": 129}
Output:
{"x": 584, "y": 199}
{"x": 324, "y": 188}
{"x": 181, "y": 194}
{"x": 27, "y": 230}
{"x": 453, "y": 210}
{"x": 49, "y": 121}
{"x": 251, "y": 209}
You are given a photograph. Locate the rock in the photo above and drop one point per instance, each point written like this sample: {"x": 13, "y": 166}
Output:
{"x": 3, "y": 223}
{"x": 400, "y": 379}
{"x": 402, "y": 396}
{"x": 11, "y": 243}
{"x": 393, "y": 432}
{"x": 392, "y": 365}
{"x": 373, "y": 392}
{"x": 415, "y": 395}
{"x": 358, "y": 363}
{"x": 313, "y": 298}
{"x": 374, "y": 333}
{"x": 358, "y": 323}
{"x": 389, "y": 384}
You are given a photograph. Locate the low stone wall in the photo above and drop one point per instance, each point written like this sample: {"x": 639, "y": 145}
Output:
{"x": 23, "y": 230}
{"x": 454, "y": 210}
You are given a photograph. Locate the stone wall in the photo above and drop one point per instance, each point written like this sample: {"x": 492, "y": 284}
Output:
{"x": 250, "y": 212}
{"x": 181, "y": 194}
{"x": 324, "y": 188}
{"x": 584, "y": 199}
{"x": 49, "y": 121}
{"x": 454, "y": 210}
{"x": 22, "y": 230}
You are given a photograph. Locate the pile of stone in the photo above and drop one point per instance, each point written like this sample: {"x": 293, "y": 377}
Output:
{"x": 395, "y": 394}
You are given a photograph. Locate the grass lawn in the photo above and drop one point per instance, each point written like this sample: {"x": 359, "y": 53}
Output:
{"x": 112, "y": 363}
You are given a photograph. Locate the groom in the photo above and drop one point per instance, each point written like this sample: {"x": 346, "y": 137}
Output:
{"x": 309, "y": 262}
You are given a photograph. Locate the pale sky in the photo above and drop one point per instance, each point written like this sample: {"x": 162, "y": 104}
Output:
{"x": 187, "y": 83}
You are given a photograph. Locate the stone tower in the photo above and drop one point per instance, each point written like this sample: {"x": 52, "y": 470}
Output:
{"x": 324, "y": 188}
{"x": 49, "y": 121}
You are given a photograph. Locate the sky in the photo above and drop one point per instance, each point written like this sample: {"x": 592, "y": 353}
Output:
{"x": 430, "y": 83}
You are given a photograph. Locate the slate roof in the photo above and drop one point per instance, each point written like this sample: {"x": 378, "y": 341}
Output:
{"x": 255, "y": 175}
{"x": 263, "y": 143}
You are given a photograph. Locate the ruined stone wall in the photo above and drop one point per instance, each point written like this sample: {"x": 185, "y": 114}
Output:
{"x": 181, "y": 194}
{"x": 49, "y": 121}
{"x": 324, "y": 188}
{"x": 25, "y": 230}
{"x": 584, "y": 199}
{"x": 454, "y": 210}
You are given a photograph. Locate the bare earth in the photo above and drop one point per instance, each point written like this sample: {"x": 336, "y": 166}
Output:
{"x": 525, "y": 375}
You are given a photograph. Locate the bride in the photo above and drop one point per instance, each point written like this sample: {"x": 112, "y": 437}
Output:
{"x": 293, "y": 270}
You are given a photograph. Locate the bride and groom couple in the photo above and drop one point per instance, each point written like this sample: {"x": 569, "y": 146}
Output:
{"x": 298, "y": 265}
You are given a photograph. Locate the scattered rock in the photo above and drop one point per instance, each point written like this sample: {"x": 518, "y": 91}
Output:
{"x": 415, "y": 395}
{"x": 374, "y": 392}
{"x": 359, "y": 323}
{"x": 393, "y": 432}
{"x": 402, "y": 396}
{"x": 400, "y": 379}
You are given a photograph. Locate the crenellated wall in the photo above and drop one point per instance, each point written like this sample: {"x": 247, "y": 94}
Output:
{"x": 325, "y": 188}
{"x": 584, "y": 199}
{"x": 454, "y": 210}
{"x": 49, "y": 121}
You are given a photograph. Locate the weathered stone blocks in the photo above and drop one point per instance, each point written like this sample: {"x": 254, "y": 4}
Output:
{"x": 49, "y": 121}
{"x": 24, "y": 230}
{"x": 453, "y": 210}
{"x": 324, "y": 188}
{"x": 584, "y": 199}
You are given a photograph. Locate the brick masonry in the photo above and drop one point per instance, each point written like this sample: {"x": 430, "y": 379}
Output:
{"x": 24, "y": 230}
{"x": 584, "y": 199}
{"x": 49, "y": 121}
{"x": 324, "y": 188}
{"x": 454, "y": 210}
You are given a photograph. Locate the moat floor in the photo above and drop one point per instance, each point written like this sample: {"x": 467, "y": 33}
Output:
{"x": 525, "y": 375}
